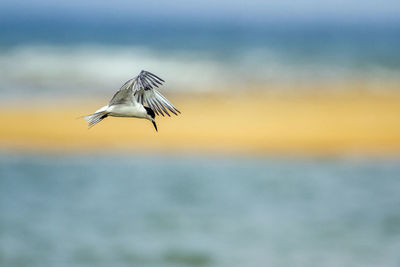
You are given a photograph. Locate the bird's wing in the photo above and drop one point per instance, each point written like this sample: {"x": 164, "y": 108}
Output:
{"x": 145, "y": 93}
{"x": 124, "y": 95}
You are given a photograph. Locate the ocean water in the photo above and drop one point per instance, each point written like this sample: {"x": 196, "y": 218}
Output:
{"x": 161, "y": 210}
{"x": 45, "y": 57}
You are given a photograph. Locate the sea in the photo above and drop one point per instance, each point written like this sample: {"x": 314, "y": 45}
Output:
{"x": 158, "y": 209}
{"x": 194, "y": 210}
{"x": 48, "y": 56}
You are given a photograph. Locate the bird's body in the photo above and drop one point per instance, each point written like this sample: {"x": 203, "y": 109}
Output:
{"x": 130, "y": 100}
{"x": 135, "y": 111}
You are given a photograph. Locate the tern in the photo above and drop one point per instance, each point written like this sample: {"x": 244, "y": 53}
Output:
{"x": 137, "y": 98}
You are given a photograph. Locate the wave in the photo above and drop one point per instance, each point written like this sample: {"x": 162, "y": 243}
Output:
{"x": 36, "y": 69}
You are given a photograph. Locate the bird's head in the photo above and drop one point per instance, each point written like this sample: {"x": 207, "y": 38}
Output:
{"x": 151, "y": 116}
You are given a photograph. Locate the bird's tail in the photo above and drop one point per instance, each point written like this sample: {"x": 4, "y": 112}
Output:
{"x": 95, "y": 118}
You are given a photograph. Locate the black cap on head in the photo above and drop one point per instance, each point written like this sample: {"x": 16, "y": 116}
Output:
{"x": 150, "y": 112}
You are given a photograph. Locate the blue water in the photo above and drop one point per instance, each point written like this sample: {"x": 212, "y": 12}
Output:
{"x": 46, "y": 56}
{"x": 131, "y": 210}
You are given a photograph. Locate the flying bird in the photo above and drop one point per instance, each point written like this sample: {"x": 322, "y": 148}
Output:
{"x": 137, "y": 98}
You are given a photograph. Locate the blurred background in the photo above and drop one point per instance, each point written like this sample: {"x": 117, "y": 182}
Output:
{"x": 286, "y": 152}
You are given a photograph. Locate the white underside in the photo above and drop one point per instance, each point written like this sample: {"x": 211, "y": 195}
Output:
{"x": 123, "y": 110}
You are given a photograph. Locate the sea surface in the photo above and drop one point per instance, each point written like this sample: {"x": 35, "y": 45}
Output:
{"x": 194, "y": 210}
{"x": 49, "y": 56}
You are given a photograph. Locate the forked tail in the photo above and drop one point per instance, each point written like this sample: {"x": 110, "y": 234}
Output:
{"x": 95, "y": 118}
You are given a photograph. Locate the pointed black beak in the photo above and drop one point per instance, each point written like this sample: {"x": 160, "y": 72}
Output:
{"x": 155, "y": 125}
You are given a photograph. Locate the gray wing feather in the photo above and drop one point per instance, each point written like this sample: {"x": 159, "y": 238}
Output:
{"x": 145, "y": 93}
{"x": 124, "y": 95}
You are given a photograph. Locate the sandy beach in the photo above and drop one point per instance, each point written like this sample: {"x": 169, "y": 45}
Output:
{"x": 282, "y": 123}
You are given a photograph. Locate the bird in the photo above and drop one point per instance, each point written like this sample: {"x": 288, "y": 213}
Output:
{"x": 137, "y": 98}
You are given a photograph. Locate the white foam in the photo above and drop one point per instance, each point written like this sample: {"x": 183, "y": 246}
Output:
{"x": 101, "y": 68}
{"x": 94, "y": 68}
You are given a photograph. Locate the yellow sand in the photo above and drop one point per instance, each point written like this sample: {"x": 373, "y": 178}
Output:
{"x": 284, "y": 123}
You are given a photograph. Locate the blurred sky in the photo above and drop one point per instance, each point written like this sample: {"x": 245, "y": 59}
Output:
{"x": 353, "y": 11}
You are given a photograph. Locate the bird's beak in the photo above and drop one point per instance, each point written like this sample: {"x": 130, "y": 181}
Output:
{"x": 155, "y": 125}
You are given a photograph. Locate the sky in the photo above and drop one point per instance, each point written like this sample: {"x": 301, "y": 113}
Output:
{"x": 251, "y": 10}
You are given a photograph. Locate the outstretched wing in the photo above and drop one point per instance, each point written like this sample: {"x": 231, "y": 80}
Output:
{"x": 124, "y": 95}
{"x": 145, "y": 92}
